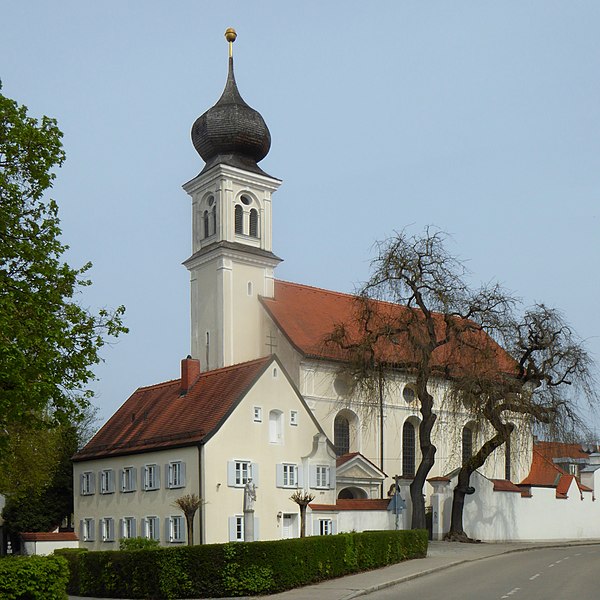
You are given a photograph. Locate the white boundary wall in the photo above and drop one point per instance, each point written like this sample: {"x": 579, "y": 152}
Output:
{"x": 507, "y": 516}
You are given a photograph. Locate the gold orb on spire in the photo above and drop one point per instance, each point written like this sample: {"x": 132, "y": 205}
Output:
{"x": 230, "y": 35}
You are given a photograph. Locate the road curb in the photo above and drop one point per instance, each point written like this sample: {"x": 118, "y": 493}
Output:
{"x": 405, "y": 578}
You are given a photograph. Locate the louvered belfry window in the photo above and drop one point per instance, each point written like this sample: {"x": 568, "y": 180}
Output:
{"x": 239, "y": 219}
{"x": 253, "y": 223}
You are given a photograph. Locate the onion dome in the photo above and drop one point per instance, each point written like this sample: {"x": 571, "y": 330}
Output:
{"x": 231, "y": 132}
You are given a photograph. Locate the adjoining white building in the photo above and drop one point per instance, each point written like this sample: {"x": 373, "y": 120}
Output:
{"x": 205, "y": 434}
{"x": 263, "y": 396}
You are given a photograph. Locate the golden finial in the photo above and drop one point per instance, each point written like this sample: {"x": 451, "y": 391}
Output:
{"x": 230, "y": 36}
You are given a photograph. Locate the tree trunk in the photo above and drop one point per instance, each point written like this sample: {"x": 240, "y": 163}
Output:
{"x": 190, "y": 529}
{"x": 457, "y": 532}
{"x": 303, "y": 520}
{"x": 428, "y": 451}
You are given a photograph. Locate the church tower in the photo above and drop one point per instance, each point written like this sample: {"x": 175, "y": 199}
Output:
{"x": 232, "y": 262}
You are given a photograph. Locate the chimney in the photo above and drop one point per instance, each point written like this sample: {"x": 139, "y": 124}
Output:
{"x": 190, "y": 371}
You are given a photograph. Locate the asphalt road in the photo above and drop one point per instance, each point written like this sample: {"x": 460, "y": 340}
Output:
{"x": 545, "y": 574}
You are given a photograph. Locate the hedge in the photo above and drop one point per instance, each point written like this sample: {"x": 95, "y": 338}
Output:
{"x": 237, "y": 568}
{"x": 33, "y": 578}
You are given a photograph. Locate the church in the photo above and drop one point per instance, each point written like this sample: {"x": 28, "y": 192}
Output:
{"x": 260, "y": 397}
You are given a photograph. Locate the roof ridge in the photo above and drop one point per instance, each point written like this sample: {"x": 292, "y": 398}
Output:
{"x": 157, "y": 385}
{"x": 350, "y": 295}
{"x": 246, "y": 363}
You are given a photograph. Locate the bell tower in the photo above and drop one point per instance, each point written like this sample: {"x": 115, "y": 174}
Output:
{"x": 232, "y": 262}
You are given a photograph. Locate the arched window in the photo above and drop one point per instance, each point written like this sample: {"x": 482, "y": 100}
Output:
{"x": 341, "y": 435}
{"x": 254, "y": 222}
{"x": 239, "y": 219}
{"x": 276, "y": 427}
{"x": 409, "y": 449}
{"x": 213, "y": 214}
{"x": 205, "y": 223}
{"x": 467, "y": 444}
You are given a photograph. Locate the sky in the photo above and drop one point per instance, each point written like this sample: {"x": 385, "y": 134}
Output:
{"x": 479, "y": 117}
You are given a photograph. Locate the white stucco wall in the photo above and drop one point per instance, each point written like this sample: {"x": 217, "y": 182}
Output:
{"x": 139, "y": 503}
{"x": 241, "y": 438}
{"x": 45, "y": 548}
{"x": 317, "y": 386}
{"x": 507, "y": 516}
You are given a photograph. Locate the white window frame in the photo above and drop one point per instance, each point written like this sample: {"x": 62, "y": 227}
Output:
{"x": 293, "y": 418}
{"x": 239, "y": 528}
{"x": 176, "y": 529}
{"x": 152, "y": 528}
{"x": 151, "y": 477}
{"x": 257, "y": 411}
{"x": 128, "y": 483}
{"x": 325, "y": 527}
{"x": 107, "y": 481}
{"x": 88, "y": 530}
{"x": 128, "y": 527}
{"x": 87, "y": 483}
{"x": 290, "y": 475}
{"x": 243, "y": 472}
{"x": 322, "y": 476}
{"x": 176, "y": 474}
{"x": 107, "y": 529}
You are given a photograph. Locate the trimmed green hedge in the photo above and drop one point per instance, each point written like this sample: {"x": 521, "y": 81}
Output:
{"x": 238, "y": 569}
{"x": 33, "y": 578}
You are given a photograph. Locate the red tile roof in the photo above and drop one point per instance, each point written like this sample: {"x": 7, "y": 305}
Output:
{"x": 552, "y": 450}
{"x": 158, "y": 416}
{"x": 503, "y": 485}
{"x": 307, "y": 315}
{"x": 54, "y": 536}
{"x": 545, "y": 473}
{"x": 353, "y": 504}
{"x": 341, "y": 460}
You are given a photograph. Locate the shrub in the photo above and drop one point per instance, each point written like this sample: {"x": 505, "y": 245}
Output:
{"x": 238, "y": 568}
{"x": 33, "y": 578}
{"x": 71, "y": 556}
{"x": 138, "y": 543}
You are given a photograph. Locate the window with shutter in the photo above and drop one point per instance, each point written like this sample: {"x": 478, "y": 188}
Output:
{"x": 87, "y": 483}
{"x": 128, "y": 479}
{"x": 176, "y": 474}
{"x": 107, "y": 481}
{"x": 177, "y": 531}
{"x": 151, "y": 477}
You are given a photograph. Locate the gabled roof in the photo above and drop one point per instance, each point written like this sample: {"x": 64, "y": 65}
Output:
{"x": 357, "y": 457}
{"x": 545, "y": 473}
{"x": 307, "y": 315}
{"x": 159, "y": 416}
{"x": 560, "y": 450}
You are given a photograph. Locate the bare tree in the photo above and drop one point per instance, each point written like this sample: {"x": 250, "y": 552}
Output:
{"x": 552, "y": 373}
{"x": 189, "y": 504}
{"x": 302, "y": 499}
{"x": 417, "y": 315}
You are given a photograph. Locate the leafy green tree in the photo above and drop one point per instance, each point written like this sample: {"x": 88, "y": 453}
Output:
{"x": 37, "y": 478}
{"x": 48, "y": 342}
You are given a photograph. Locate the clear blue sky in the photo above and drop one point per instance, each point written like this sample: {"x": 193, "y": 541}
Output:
{"x": 479, "y": 117}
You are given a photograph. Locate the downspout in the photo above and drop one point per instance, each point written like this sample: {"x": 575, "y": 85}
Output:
{"x": 381, "y": 429}
{"x": 201, "y": 490}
